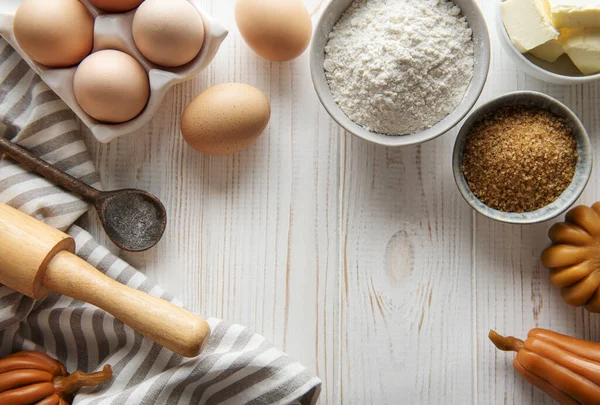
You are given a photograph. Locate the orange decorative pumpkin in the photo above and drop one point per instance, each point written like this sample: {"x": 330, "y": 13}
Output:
{"x": 35, "y": 378}
{"x": 574, "y": 257}
{"x": 566, "y": 368}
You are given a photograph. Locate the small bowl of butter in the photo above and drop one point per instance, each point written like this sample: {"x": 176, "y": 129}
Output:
{"x": 557, "y": 41}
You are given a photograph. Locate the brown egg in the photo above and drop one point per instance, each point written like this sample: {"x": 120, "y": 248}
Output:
{"x": 116, "y": 6}
{"x": 225, "y": 119}
{"x": 277, "y": 30}
{"x": 57, "y": 33}
{"x": 111, "y": 86}
{"x": 168, "y": 32}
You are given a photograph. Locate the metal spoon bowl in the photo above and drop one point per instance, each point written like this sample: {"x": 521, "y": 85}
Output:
{"x": 133, "y": 219}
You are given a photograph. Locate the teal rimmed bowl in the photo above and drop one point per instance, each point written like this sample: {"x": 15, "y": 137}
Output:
{"x": 583, "y": 170}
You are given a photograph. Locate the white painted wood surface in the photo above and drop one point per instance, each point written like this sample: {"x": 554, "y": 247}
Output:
{"x": 362, "y": 262}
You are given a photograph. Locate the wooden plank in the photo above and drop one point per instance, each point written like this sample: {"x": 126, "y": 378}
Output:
{"x": 406, "y": 302}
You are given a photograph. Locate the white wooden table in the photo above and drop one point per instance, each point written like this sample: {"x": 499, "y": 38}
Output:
{"x": 363, "y": 262}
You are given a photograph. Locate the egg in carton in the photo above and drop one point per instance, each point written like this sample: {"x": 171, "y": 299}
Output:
{"x": 115, "y": 31}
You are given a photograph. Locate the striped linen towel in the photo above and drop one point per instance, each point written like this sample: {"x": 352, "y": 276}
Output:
{"x": 237, "y": 366}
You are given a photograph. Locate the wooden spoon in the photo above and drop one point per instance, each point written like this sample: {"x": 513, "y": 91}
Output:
{"x": 133, "y": 219}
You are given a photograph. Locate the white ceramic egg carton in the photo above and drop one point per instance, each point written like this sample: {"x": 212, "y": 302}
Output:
{"x": 114, "y": 31}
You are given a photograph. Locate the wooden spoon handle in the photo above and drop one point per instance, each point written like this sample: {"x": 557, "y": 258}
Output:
{"x": 158, "y": 320}
{"x": 48, "y": 171}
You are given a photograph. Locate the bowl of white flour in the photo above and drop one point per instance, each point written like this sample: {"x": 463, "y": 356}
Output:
{"x": 400, "y": 72}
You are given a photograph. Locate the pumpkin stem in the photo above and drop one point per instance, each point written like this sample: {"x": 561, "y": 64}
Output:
{"x": 506, "y": 343}
{"x": 73, "y": 382}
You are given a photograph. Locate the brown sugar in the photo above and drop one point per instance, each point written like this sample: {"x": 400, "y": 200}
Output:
{"x": 519, "y": 159}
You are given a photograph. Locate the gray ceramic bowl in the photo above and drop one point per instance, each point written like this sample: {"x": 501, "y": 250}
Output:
{"x": 567, "y": 198}
{"x": 332, "y": 14}
{"x": 563, "y": 71}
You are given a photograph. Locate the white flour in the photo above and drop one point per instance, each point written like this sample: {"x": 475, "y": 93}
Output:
{"x": 398, "y": 67}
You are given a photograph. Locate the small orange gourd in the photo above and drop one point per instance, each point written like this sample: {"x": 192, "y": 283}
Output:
{"x": 574, "y": 257}
{"x": 31, "y": 377}
{"x": 566, "y": 368}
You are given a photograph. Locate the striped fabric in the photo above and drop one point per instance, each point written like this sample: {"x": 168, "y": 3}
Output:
{"x": 237, "y": 366}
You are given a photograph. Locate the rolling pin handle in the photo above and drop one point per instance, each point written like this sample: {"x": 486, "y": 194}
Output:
{"x": 157, "y": 319}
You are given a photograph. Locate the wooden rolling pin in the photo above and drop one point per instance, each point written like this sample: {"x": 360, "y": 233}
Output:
{"x": 36, "y": 259}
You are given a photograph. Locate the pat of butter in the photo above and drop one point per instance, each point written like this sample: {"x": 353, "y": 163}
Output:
{"x": 575, "y": 13}
{"x": 550, "y": 51}
{"x": 528, "y": 23}
{"x": 583, "y": 47}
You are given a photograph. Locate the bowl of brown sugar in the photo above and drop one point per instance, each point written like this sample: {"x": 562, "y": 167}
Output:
{"x": 522, "y": 158}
